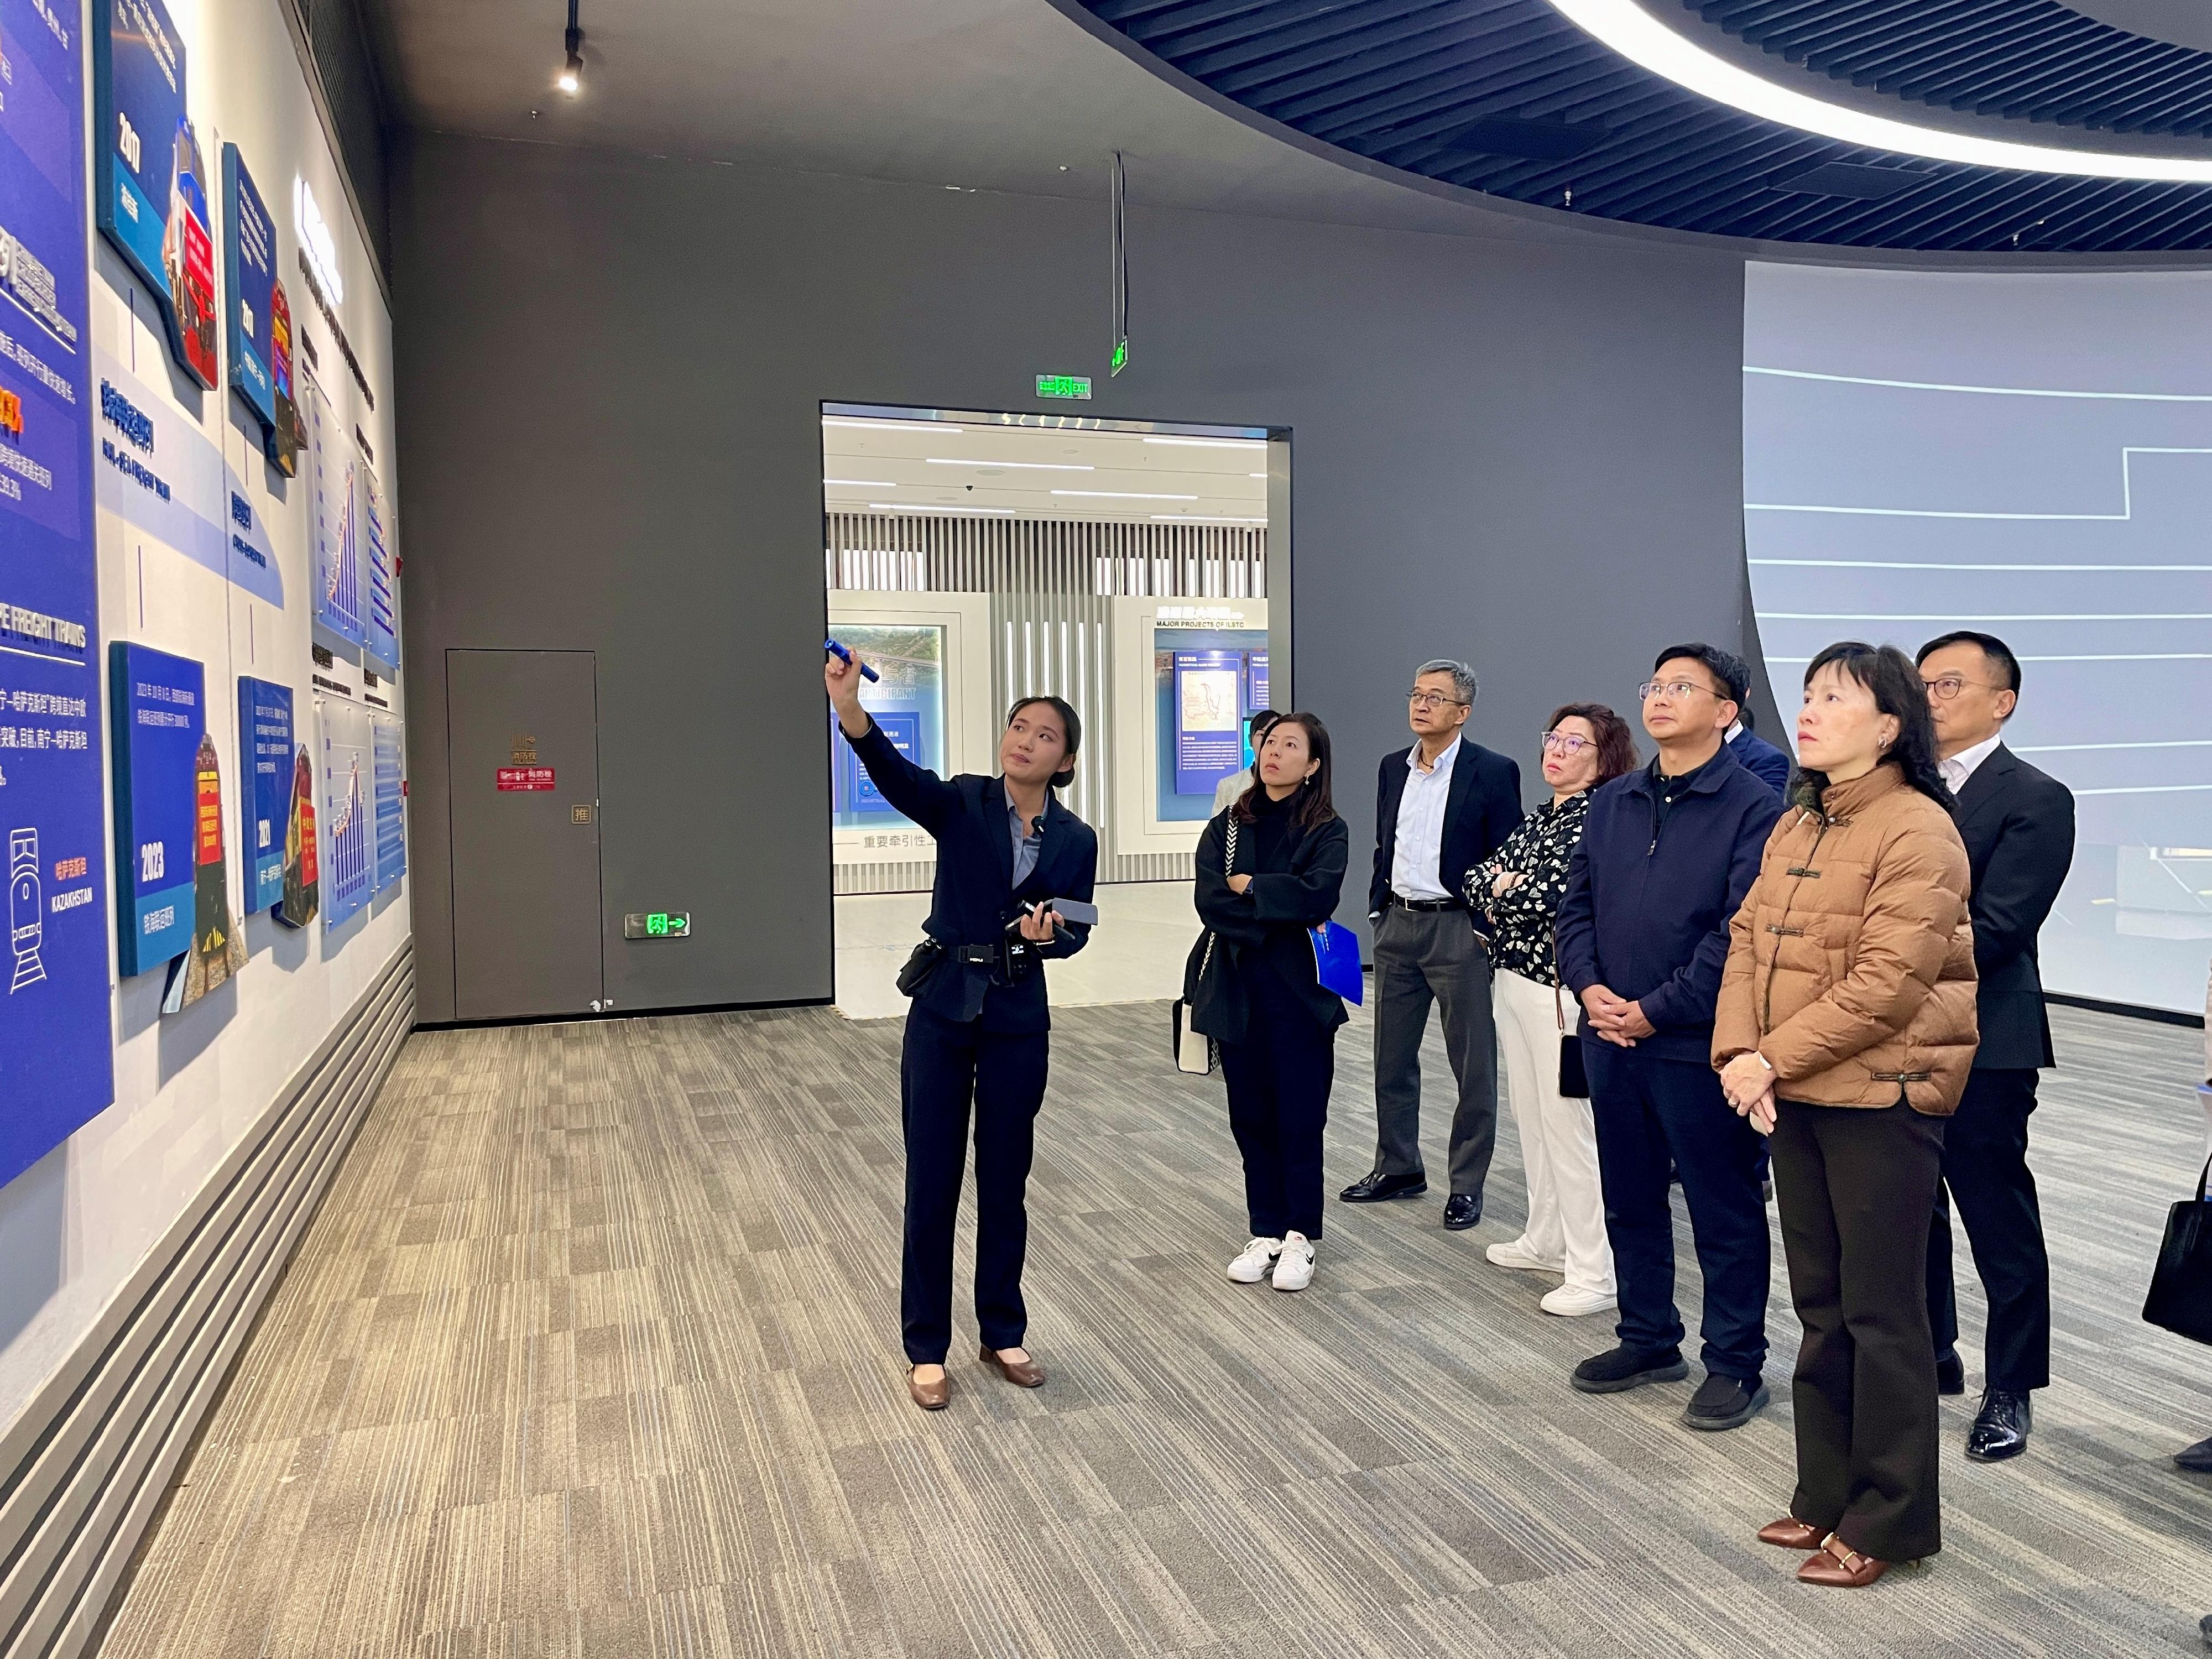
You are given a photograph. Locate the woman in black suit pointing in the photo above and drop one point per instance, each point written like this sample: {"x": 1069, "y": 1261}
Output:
{"x": 978, "y": 1030}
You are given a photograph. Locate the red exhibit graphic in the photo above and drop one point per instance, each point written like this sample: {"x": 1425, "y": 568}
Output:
{"x": 188, "y": 254}
{"x": 302, "y": 893}
{"x": 218, "y": 950}
{"x": 527, "y": 779}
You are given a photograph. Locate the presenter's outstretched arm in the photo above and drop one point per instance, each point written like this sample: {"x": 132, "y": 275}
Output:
{"x": 913, "y": 791}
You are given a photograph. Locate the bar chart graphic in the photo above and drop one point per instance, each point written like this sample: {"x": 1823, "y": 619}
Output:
{"x": 347, "y": 851}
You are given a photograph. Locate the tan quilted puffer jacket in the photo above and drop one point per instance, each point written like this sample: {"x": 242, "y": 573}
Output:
{"x": 1850, "y": 965}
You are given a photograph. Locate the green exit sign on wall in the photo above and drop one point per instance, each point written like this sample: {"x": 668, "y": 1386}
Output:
{"x": 1064, "y": 385}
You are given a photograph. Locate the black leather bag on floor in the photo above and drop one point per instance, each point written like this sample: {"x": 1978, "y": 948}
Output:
{"x": 2180, "y": 1298}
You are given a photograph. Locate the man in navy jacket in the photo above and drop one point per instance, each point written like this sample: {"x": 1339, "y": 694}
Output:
{"x": 1771, "y": 764}
{"x": 1665, "y": 860}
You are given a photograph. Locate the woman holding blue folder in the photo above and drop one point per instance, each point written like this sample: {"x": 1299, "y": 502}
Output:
{"x": 1269, "y": 872}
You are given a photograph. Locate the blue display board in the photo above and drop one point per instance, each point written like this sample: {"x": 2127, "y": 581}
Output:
{"x": 903, "y": 728}
{"x": 391, "y": 810}
{"x": 339, "y": 610}
{"x": 159, "y": 706}
{"x": 249, "y": 264}
{"x": 1209, "y": 718}
{"x": 153, "y": 195}
{"x": 1256, "y": 687}
{"x": 266, "y": 747}
{"x": 347, "y": 851}
{"x": 57, "y": 1066}
{"x": 380, "y": 619}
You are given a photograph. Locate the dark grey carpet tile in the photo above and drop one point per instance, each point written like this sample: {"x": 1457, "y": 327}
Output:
{"x": 592, "y": 1353}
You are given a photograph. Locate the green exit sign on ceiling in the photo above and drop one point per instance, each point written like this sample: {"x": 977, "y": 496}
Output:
{"x": 1064, "y": 385}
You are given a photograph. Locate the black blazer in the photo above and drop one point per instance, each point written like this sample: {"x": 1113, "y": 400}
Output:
{"x": 975, "y": 898}
{"x": 2018, "y": 826}
{"x": 1269, "y": 921}
{"x": 1484, "y": 808}
{"x": 1770, "y": 765}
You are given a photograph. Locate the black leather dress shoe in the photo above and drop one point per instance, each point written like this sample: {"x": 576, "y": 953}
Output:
{"x": 2204, "y": 1629}
{"x": 1463, "y": 1211}
{"x": 2001, "y": 1427}
{"x": 1373, "y": 1187}
{"x": 1950, "y": 1373}
{"x": 2197, "y": 1458}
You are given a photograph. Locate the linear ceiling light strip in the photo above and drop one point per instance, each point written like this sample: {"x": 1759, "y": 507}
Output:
{"x": 1636, "y": 35}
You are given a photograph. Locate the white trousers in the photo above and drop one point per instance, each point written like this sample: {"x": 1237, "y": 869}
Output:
{"x": 1559, "y": 1137}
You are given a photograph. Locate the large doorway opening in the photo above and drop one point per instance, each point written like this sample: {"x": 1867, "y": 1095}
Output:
{"x": 1139, "y": 569}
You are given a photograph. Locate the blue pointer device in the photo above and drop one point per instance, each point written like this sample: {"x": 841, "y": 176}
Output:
{"x": 837, "y": 650}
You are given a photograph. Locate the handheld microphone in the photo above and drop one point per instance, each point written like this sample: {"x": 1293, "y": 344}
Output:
{"x": 837, "y": 650}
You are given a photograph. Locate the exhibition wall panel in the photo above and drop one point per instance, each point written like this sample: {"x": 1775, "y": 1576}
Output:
{"x": 1524, "y": 453}
{"x": 226, "y": 285}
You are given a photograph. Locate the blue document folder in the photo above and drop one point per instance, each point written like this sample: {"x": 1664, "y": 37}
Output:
{"x": 1336, "y": 962}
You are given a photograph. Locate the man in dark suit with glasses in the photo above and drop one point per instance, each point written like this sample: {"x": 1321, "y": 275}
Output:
{"x": 2018, "y": 826}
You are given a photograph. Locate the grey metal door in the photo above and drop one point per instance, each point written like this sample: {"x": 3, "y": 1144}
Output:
{"x": 522, "y": 747}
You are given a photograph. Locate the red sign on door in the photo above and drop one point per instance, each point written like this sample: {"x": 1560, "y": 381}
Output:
{"x": 512, "y": 778}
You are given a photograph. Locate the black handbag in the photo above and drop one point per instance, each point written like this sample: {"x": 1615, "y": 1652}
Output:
{"x": 2180, "y": 1298}
{"x": 1195, "y": 1053}
{"x": 1574, "y": 1079}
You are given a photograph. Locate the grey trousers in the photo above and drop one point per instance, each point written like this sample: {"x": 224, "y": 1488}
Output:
{"x": 1423, "y": 956}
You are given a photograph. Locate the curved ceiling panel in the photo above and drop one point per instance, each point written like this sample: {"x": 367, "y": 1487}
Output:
{"x": 1508, "y": 98}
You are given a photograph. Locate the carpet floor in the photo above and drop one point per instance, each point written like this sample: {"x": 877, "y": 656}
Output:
{"x": 593, "y": 1351}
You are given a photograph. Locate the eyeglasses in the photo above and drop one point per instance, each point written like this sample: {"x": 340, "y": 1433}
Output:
{"x": 1950, "y": 685}
{"x": 1652, "y": 689}
{"x": 1434, "y": 700}
{"x": 1567, "y": 743}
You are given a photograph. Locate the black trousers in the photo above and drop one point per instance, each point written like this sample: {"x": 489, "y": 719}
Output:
{"x": 944, "y": 1067}
{"x": 1857, "y": 1186}
{"x": 1985, "y": 1167}
{"x": 1650, "y": 1110}
{"x": 1278, "y": 1079}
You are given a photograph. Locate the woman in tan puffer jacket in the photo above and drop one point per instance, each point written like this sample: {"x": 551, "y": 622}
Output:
{"x": 1845, "y": 1030}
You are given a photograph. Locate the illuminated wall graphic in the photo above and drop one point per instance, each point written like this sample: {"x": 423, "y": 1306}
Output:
{"x": 1207, "y": 682}
{"x": 158, "y": 706}
{"x": 2030, "y": 456}
{"x": 390, "y": 744}
{"x": 908, "y": 703}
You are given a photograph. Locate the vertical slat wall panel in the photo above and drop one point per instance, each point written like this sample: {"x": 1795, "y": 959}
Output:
{"x": 1052, "y": 584}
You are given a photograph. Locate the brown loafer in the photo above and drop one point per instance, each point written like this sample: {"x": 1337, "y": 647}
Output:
{"x": 1022, "y": 1374}
{"x": 1791, "y": 1534}
{"x": 1841, "y": 1567}
{"x": 930, "y": 1396}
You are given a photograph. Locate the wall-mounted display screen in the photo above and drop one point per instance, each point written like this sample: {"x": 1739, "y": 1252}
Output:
{"x": 908, "y": 703}
{"x": 154, "y": 187}
{"x": 2029, "y": 456}
{"x": 56, "y": 1067}
{"x": 1207, "y": 683}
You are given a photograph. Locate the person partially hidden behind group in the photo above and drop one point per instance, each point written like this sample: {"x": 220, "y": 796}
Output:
{"x": 1270, "y": 867}
{"x": 978, "y": 1032}
{"x": 1230, "y": 789}
{"x": 1844, "y": 1031}
{"x": 1517, "y": 892}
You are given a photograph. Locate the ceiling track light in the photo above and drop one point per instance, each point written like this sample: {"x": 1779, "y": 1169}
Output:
{"x": 571, "y": 77}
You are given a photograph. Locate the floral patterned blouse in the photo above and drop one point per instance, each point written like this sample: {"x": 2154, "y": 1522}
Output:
{"x": 1521, "y": 919}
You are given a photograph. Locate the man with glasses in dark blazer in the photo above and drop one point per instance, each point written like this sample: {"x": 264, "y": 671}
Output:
{"x": 1441, "y": 807}
{"x": 2018, "y": 826}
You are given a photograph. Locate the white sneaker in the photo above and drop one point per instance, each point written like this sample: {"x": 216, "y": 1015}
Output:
{"x": 1572, "y": 1302}
{"x": 1259, "y": 1255}
{"x": 1294, "y": 1267}
{"x": 1515, "y": 1253}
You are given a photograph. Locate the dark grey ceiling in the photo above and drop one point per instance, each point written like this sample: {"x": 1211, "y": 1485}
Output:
{"x": 1508, "y": 98}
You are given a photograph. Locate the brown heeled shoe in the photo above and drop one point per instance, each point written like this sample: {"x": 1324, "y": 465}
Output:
{"x": 1839, "y": 1566}
{"x": 1791, "y": 1534}
{"x": 930, "y": 1396}
{"x": 1022, "y": 1373}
